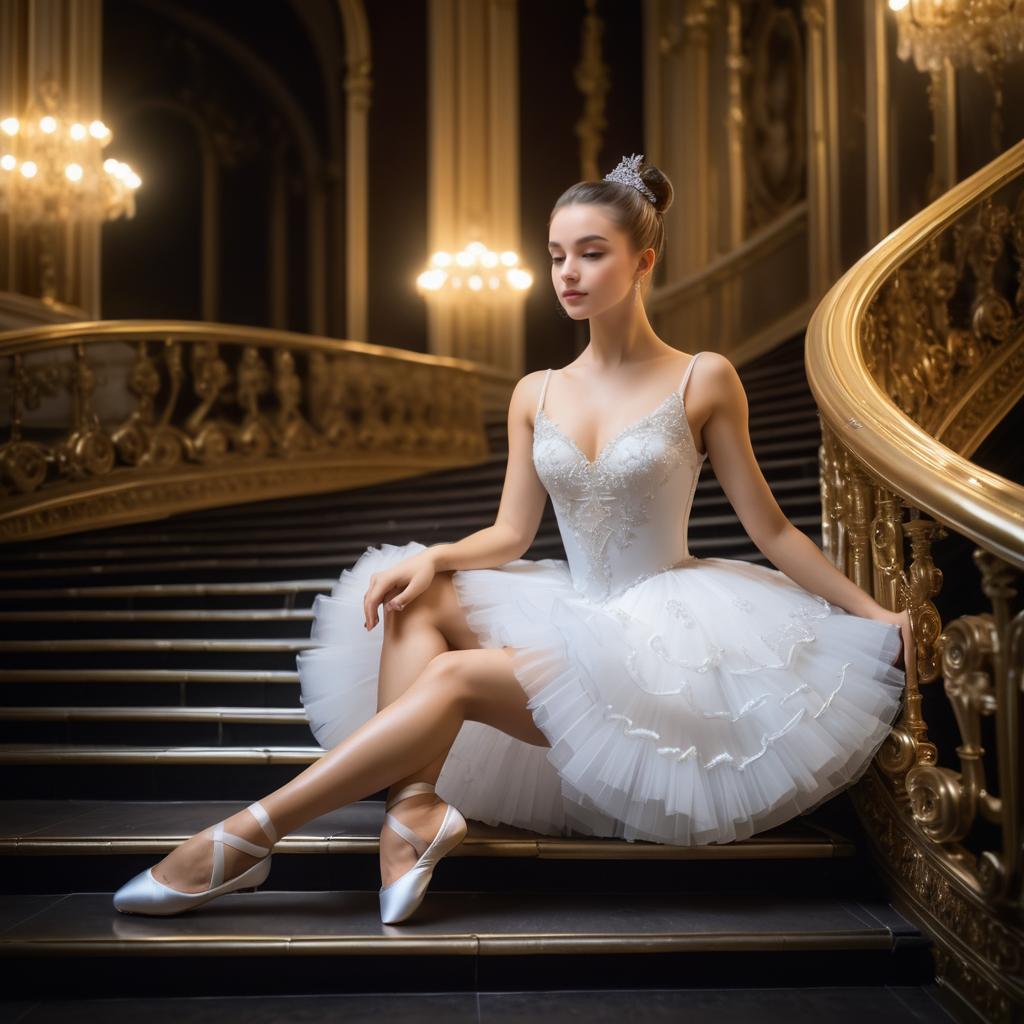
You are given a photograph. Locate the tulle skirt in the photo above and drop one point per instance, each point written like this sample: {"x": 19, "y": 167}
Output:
{"x": 701, "y": 705}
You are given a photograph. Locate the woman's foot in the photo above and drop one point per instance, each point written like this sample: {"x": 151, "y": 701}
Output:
{"x": 423, "y": 813}
{"x": 188, "y": 867}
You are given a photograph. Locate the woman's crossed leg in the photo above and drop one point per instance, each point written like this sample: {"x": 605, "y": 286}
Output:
{"x": 429, "y": 686}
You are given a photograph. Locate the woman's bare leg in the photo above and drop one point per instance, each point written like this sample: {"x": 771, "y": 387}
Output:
{"x": 430, "y": 625}
{"x": 414, "y": 730}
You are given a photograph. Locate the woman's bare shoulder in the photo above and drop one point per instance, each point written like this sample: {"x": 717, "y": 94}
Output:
{"x": 526, "y": 394}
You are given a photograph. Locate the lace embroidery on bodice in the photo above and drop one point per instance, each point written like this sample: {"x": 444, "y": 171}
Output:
{"x": 623, "y": 517}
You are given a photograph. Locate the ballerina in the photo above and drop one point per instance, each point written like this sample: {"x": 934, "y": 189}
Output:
{"x": 631, "y": 690}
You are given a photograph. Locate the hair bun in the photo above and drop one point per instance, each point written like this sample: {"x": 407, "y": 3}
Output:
{"x": 660, "y": 185}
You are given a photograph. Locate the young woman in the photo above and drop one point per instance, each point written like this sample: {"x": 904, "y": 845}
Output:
{"x": 633, "y": 690}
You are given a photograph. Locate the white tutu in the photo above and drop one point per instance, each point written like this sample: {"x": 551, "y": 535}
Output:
{"x": 703, "y": 704}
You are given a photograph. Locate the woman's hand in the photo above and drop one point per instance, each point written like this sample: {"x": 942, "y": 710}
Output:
{"x": 397, "y": 585}
{"x": 902, "y": 619}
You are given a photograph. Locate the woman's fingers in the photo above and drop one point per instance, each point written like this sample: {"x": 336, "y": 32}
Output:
{"x": 371, "y": 601}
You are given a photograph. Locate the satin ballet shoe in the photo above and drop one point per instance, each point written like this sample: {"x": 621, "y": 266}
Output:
{"x": 144, "y": 894}
{"x": 399, "y": 899}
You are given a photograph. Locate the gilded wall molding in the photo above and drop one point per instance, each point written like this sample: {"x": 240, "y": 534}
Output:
{"x": 592, "y": 79}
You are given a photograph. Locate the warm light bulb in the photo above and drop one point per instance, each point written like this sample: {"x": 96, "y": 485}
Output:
{"x": 8, "y": 162}
{"x": 77, "y": 131}
{"x": 28, "y": 169}
{"x": 48, "y": 124}
{"x": 509, "y": 258}
{"x": 432, "y": 280}
{"x": 73, "y": 172}
{"x": 10, "y": 125}
{"x": 519, "y": 278}
{"x": 897, "y": 5}
{"x": 97, "y": 129}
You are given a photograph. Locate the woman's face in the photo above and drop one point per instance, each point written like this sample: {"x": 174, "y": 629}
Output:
{"x": 589, "y": 255}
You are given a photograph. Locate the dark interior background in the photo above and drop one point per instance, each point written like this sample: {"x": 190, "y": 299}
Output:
{"x": 257, "y": 78}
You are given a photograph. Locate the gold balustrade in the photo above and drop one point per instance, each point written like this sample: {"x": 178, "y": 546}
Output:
{"x": 127, "y": 420}
{"x": 914, "y": 356}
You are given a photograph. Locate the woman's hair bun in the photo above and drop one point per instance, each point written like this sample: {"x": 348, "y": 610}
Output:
{"x": 658, "y": 184}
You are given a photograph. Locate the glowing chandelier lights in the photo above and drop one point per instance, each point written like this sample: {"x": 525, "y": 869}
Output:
{"x": 476, "y": 270}
{"x": 52, "y": 169}
{"x": 968, "y": 33}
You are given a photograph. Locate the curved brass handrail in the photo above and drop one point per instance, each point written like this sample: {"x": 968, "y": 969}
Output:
{"x": 889, "y": 356}
{"x": 971, "y": 500}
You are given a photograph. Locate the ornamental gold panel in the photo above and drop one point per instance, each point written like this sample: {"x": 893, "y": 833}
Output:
{"x": 195, "y": 415}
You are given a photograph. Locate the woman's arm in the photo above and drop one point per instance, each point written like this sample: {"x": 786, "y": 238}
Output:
{"x": 522, "y": 496}
{"x": 723, "y": 402}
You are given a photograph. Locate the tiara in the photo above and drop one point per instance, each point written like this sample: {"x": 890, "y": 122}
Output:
{"x": 627, "y": 173}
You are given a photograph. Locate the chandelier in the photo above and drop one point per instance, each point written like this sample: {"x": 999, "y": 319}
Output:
{"x": 52, "y": 169}
{"x": 982, "y": 34}
{"x": 474, "y": 270}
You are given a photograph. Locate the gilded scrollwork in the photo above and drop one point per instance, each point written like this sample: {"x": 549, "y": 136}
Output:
{"x": 944, "y": 339}
{"x": 220, "y": 406}
{"x": 943, "y": 335}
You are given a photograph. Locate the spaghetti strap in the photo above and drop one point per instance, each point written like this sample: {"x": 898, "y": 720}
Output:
{"x": 543, "y": 392}
{"x": 686, "y": 376}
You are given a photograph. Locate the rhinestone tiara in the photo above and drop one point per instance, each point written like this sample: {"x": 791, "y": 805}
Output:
{"x": 627, "y": 173}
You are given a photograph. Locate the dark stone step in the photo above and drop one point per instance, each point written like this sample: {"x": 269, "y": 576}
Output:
{"x": 86, "y": 845}
{"x": 273, "y": 941}
{"x": 852, "y": 1004}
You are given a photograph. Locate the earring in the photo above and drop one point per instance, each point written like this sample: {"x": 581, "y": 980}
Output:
{"x": 636, "y": 286}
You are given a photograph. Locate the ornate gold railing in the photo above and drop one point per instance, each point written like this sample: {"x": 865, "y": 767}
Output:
{"x": 126, "y": 420}
{"x": 914, "y": 356}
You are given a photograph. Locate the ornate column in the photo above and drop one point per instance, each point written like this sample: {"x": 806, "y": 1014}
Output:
{"x": 358, "y": 92}
{"x": 735, "y": 69}
{"x": 473, "y": 161}
{"x": 693, "y": 228}
{"x": 876, "y": 92}
{"x": 57, "y": 40}
{"x": 822, "y": 145}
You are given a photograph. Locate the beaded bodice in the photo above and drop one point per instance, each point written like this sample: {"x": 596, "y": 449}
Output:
{"x": 624, "y": 516}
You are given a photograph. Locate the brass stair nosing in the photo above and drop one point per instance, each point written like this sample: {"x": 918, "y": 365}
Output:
{"x": 161, "y": 615}
{"x": 54, "y": 753}
{"x": 470, "y": 944}
{"x": 504, "y": 847}
{"x": 160, "y": 644}
{"x": 145, "y": 675}
{"x": 145, "y": 713}
{"x": 300, "y": 586}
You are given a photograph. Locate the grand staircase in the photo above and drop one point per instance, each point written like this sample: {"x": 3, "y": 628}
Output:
{"x": 149, "y": 689}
